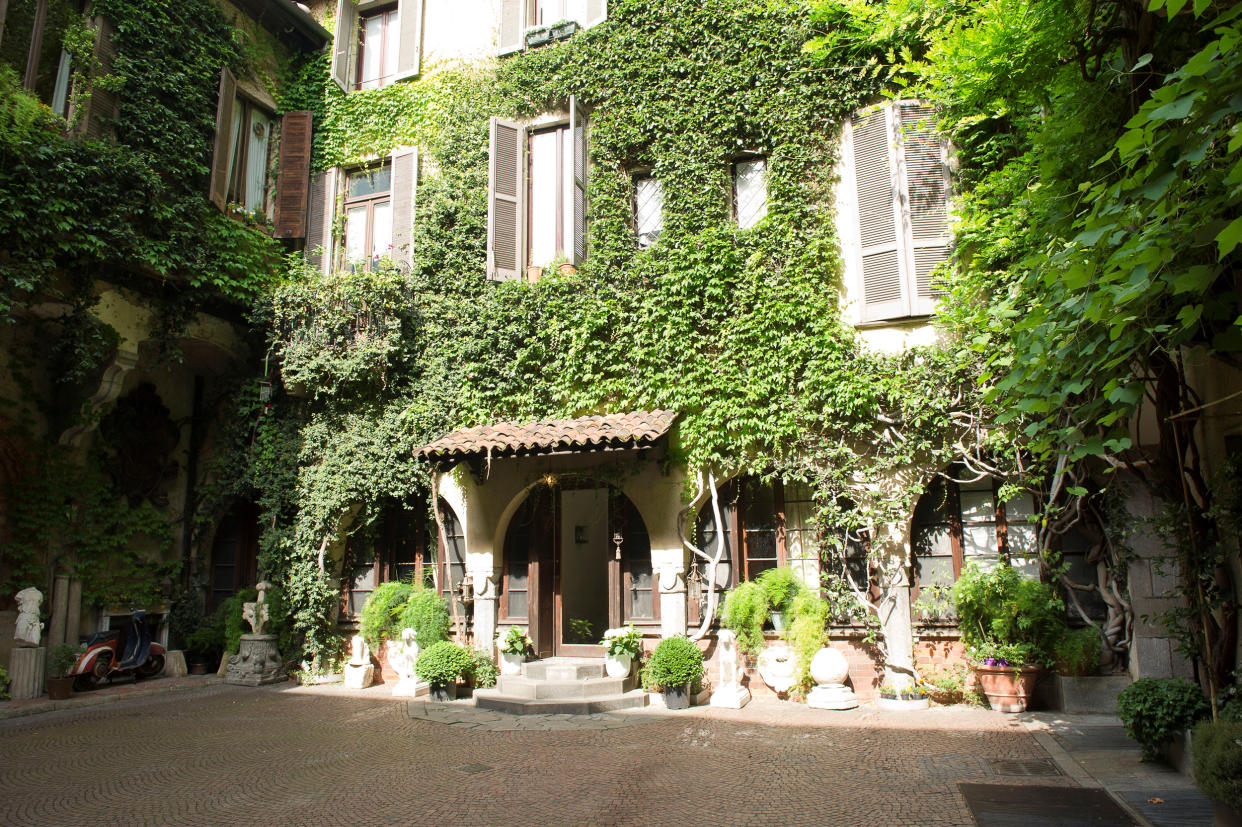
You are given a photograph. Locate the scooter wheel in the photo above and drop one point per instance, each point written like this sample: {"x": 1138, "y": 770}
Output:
{"x": 97, "y": 677}
{"x": 153, "y": 666}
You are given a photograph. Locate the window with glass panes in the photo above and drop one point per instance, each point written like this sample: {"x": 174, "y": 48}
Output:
{"x": 394, "y": 550}
{"x": 368, "y": 216}
{"x": 775, "y": 524}
{"x": 515, "y": 584}
{"x": 648, "y": 209}
{"x": 638, "y": 583}
{"x": 452, "y": 558}
{"x": 750, "y": 191}
{"x": 248, "y": 155}
{"x": 379, "y": 42}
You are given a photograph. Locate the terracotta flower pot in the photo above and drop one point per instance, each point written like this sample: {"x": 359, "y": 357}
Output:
{"x": 59, "y": 689}
{"x": 1007, "y": 688}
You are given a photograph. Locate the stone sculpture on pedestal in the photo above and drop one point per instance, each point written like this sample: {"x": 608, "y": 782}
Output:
{"x": 359, "y": 672}
{"x": 829, "y": 668}
{"x": 29, "y": 630}
{"x": 776, "y": 667}
{"x": 402, "y": 655}
{"x": 730, "y": 693}
{"x": 258, "y": 658}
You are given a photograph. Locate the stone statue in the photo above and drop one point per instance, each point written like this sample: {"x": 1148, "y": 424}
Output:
{"x": 258, "y": 660}
{"x": 29, "y": 630}
{"x": 360, "y": 651}
{"x": 730, "y": 693}
{"x": 359, "y": 672}
{"x": 402, "y": 655}
{"x": 256, "y": 613}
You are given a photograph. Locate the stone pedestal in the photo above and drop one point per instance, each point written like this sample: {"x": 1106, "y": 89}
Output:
{"x": 256, "y": 663}
{"x": 731, "y": 697}
{"x": 174, "y": 664}
{"x": 829, "y": 668}
{"x": 359, "y": 676}
{"x": 27, "y": 668}
{"x": 411, "y": 688}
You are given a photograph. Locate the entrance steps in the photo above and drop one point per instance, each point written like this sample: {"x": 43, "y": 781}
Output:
{"x": 573, "y": 686}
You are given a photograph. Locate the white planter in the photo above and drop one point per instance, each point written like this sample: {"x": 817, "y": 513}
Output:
{"x": 618, "y": 666}
{"x": 511, "y": 664}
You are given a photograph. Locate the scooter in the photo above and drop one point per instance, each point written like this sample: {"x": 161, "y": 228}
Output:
{"x": 119, "y": 653}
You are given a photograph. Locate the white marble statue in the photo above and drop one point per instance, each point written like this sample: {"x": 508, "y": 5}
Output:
{"x": 359, "y": 672}
{"x": 402, "y": 654}
{"x": 29, "y": 630}
{"x": 256, "y": 613}
{"x": 730, "y": 693}
{"x": 360, "y": 652}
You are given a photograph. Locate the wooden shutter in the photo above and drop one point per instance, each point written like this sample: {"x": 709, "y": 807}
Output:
{"x": 294, "y": 179}
{"x": 101, "y": 108}
{"x": 344, "y": 44}
{"x": 926, "y": 199}
{"x": 404, "y": 187}
{"x": 222, "y": 155}
{"x": 879, "y": 218}
{"x": 320, "y": 212}
{"x": 596, "y": 12}
{"x": 410, "y": 47}
{"x": 505, "y": 185}
{"x": 512, "y": 26}
{"x": 578, "y": 136}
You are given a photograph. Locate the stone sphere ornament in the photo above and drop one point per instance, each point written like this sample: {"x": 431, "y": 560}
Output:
{"x": 829, "y": 668}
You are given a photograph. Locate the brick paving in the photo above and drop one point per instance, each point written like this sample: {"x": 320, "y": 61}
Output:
{"x": 301, "y": 755}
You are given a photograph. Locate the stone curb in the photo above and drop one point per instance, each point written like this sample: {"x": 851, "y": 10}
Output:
{"x": 41, "y": 706}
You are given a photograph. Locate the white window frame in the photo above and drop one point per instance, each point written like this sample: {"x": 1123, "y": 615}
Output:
{"x": 517, "y": 17}
{"x": 746, "y": 222}
{"x": 915, "y": 299}
{"x": 647, "y": 236}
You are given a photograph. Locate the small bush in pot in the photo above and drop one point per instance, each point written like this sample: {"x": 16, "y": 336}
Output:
{"x": 1218, "y": 762}
{"x": 60, "y": 662}
{"x": 516, "y": 641}
{"x": 443, "y": 664}
{"x": 675, "y": 669}
{"x": 1157, "y": 709}
{"x": 483, "y": 672}
{"x": 745, "y": 611}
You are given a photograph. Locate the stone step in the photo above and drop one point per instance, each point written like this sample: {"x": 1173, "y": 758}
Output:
{"x": 523, "y": 687}
{"x": 495, "y": 699}
{"x": 563, "y": 669}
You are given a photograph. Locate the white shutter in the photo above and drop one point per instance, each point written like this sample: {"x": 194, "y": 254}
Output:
{"x": 410, "y": 49}
{"x": 512, "y": 26}
{"x": 344, "y": 44}
{"x": 320, "y": 214}
{"x": 578, "y": 137}
{"x": 597, "y": 12}
{"x": 404, "y": 188}
{"x": 925, "y": 175}
{"x": 879, "y": 217}
{"x": 505, "y": 185}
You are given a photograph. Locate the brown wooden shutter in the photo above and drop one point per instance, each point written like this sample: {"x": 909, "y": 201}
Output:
{"x": 596, "y": 12}
{"x": 320, "y": 210}
{"x": 878, "y": 217}
{"x": 101, "y": 108}
{"x": 410, "y": 48}
{"x": 578, "y": 135}
{"x": 926, "y": 198}
{"x": 344, "y": 43}
{"x": 506, "y": 184}
{"x": 512, "y": 26}
{"x": 293, "y": 184}
{"x": 221, "y": 159}
{"x": 404, "y": 188}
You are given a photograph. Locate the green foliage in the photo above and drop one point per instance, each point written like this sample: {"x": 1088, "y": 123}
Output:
{"x": 1004, "y": 615}
{"x": 62, "y": 658}
{"x": 808, "y": 632}
{"x": 780, "y": 585}
{"x": 4, "y": 684}
{"x": 1157, "y": 709}
{"x": 676, "y": 662}
{"x": 1217, "y": 751}
{"x": 1078, "y": 652}
{"x": 443, "y": 662}
{"x": 620, "y": 642}
{"x": 380, "y": 619}
{"x": 745, "y": 612}
{"x": 482, "y": 671}
{"x": 427, "y": 614}
{"x": 517, "y": 642}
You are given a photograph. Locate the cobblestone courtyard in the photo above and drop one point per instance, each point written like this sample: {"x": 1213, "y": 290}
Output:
{"x": 287, "y": 755}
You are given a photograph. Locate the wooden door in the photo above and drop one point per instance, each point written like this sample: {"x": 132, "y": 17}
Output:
{"x": 543, "y": 592}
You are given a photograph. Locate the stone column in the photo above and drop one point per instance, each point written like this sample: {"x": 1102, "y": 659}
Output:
{"x": 27, "y": 668}
{"x": 672, "y": 601}
{"x": 485, "y": 609}
{"x": 73, "y": 615}
{"x": 60, "y": 610}
{"x": 898, "y": 632}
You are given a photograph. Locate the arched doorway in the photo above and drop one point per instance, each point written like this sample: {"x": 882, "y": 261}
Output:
{"x": 577, "y": 561}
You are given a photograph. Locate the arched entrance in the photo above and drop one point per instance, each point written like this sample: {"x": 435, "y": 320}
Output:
{"x": 577, "y": 561}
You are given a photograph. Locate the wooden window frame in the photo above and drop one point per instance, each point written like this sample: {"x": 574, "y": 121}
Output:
{"x": 240, "y": 165}
{"x": 370, "y": 201}
{"x": 391, "y": 17}
{"x": 384, "y": 564}
{"x": 442, "y": 562}
{"x": 563, "y": 133}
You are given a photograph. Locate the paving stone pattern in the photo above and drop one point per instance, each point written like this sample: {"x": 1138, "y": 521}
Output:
{"x": 297, "y": 755}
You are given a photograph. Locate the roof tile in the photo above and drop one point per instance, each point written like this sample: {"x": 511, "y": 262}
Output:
{"x": 553, "y": 435}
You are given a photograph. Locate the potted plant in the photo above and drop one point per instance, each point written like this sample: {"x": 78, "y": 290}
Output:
{"x": 745, "y": 612}
{"x": 442, "y": 665}
{"x": 623, "y": 645}
{"x": 483, "y": 672}
{"x": 63, "y": 657}
{"x": 779, "y": 585}
{"x": 1010, "y": 626}
{"x": 1218, "y": 768}
{"x": 675, "y": 670}
{"x": 514, "y": 646}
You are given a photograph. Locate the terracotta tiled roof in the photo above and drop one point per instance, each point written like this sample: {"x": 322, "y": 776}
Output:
{"x": 618, "y": 430}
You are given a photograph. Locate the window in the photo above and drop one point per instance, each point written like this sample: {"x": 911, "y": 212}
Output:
{"x": 639, "y": 600}
{"x": 775, "y": 524}
{"x": 648, "y": 209}
{"x": 368, "y": 217}
{"x": 960, "y": 521}
{"x": 518, "y": 16}
{"x": 393, "y": 550}
{"x": 452, "y": 560}
{"x": 376, "y": 47}
{"x": 750, "y": 191}
{"x": 537, "y": 194}
{"x": 251, "y": 135}
{"x": 893, "y": 209}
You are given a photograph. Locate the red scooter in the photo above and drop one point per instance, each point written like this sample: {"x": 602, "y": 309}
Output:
{"x": 119, "y": 653}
